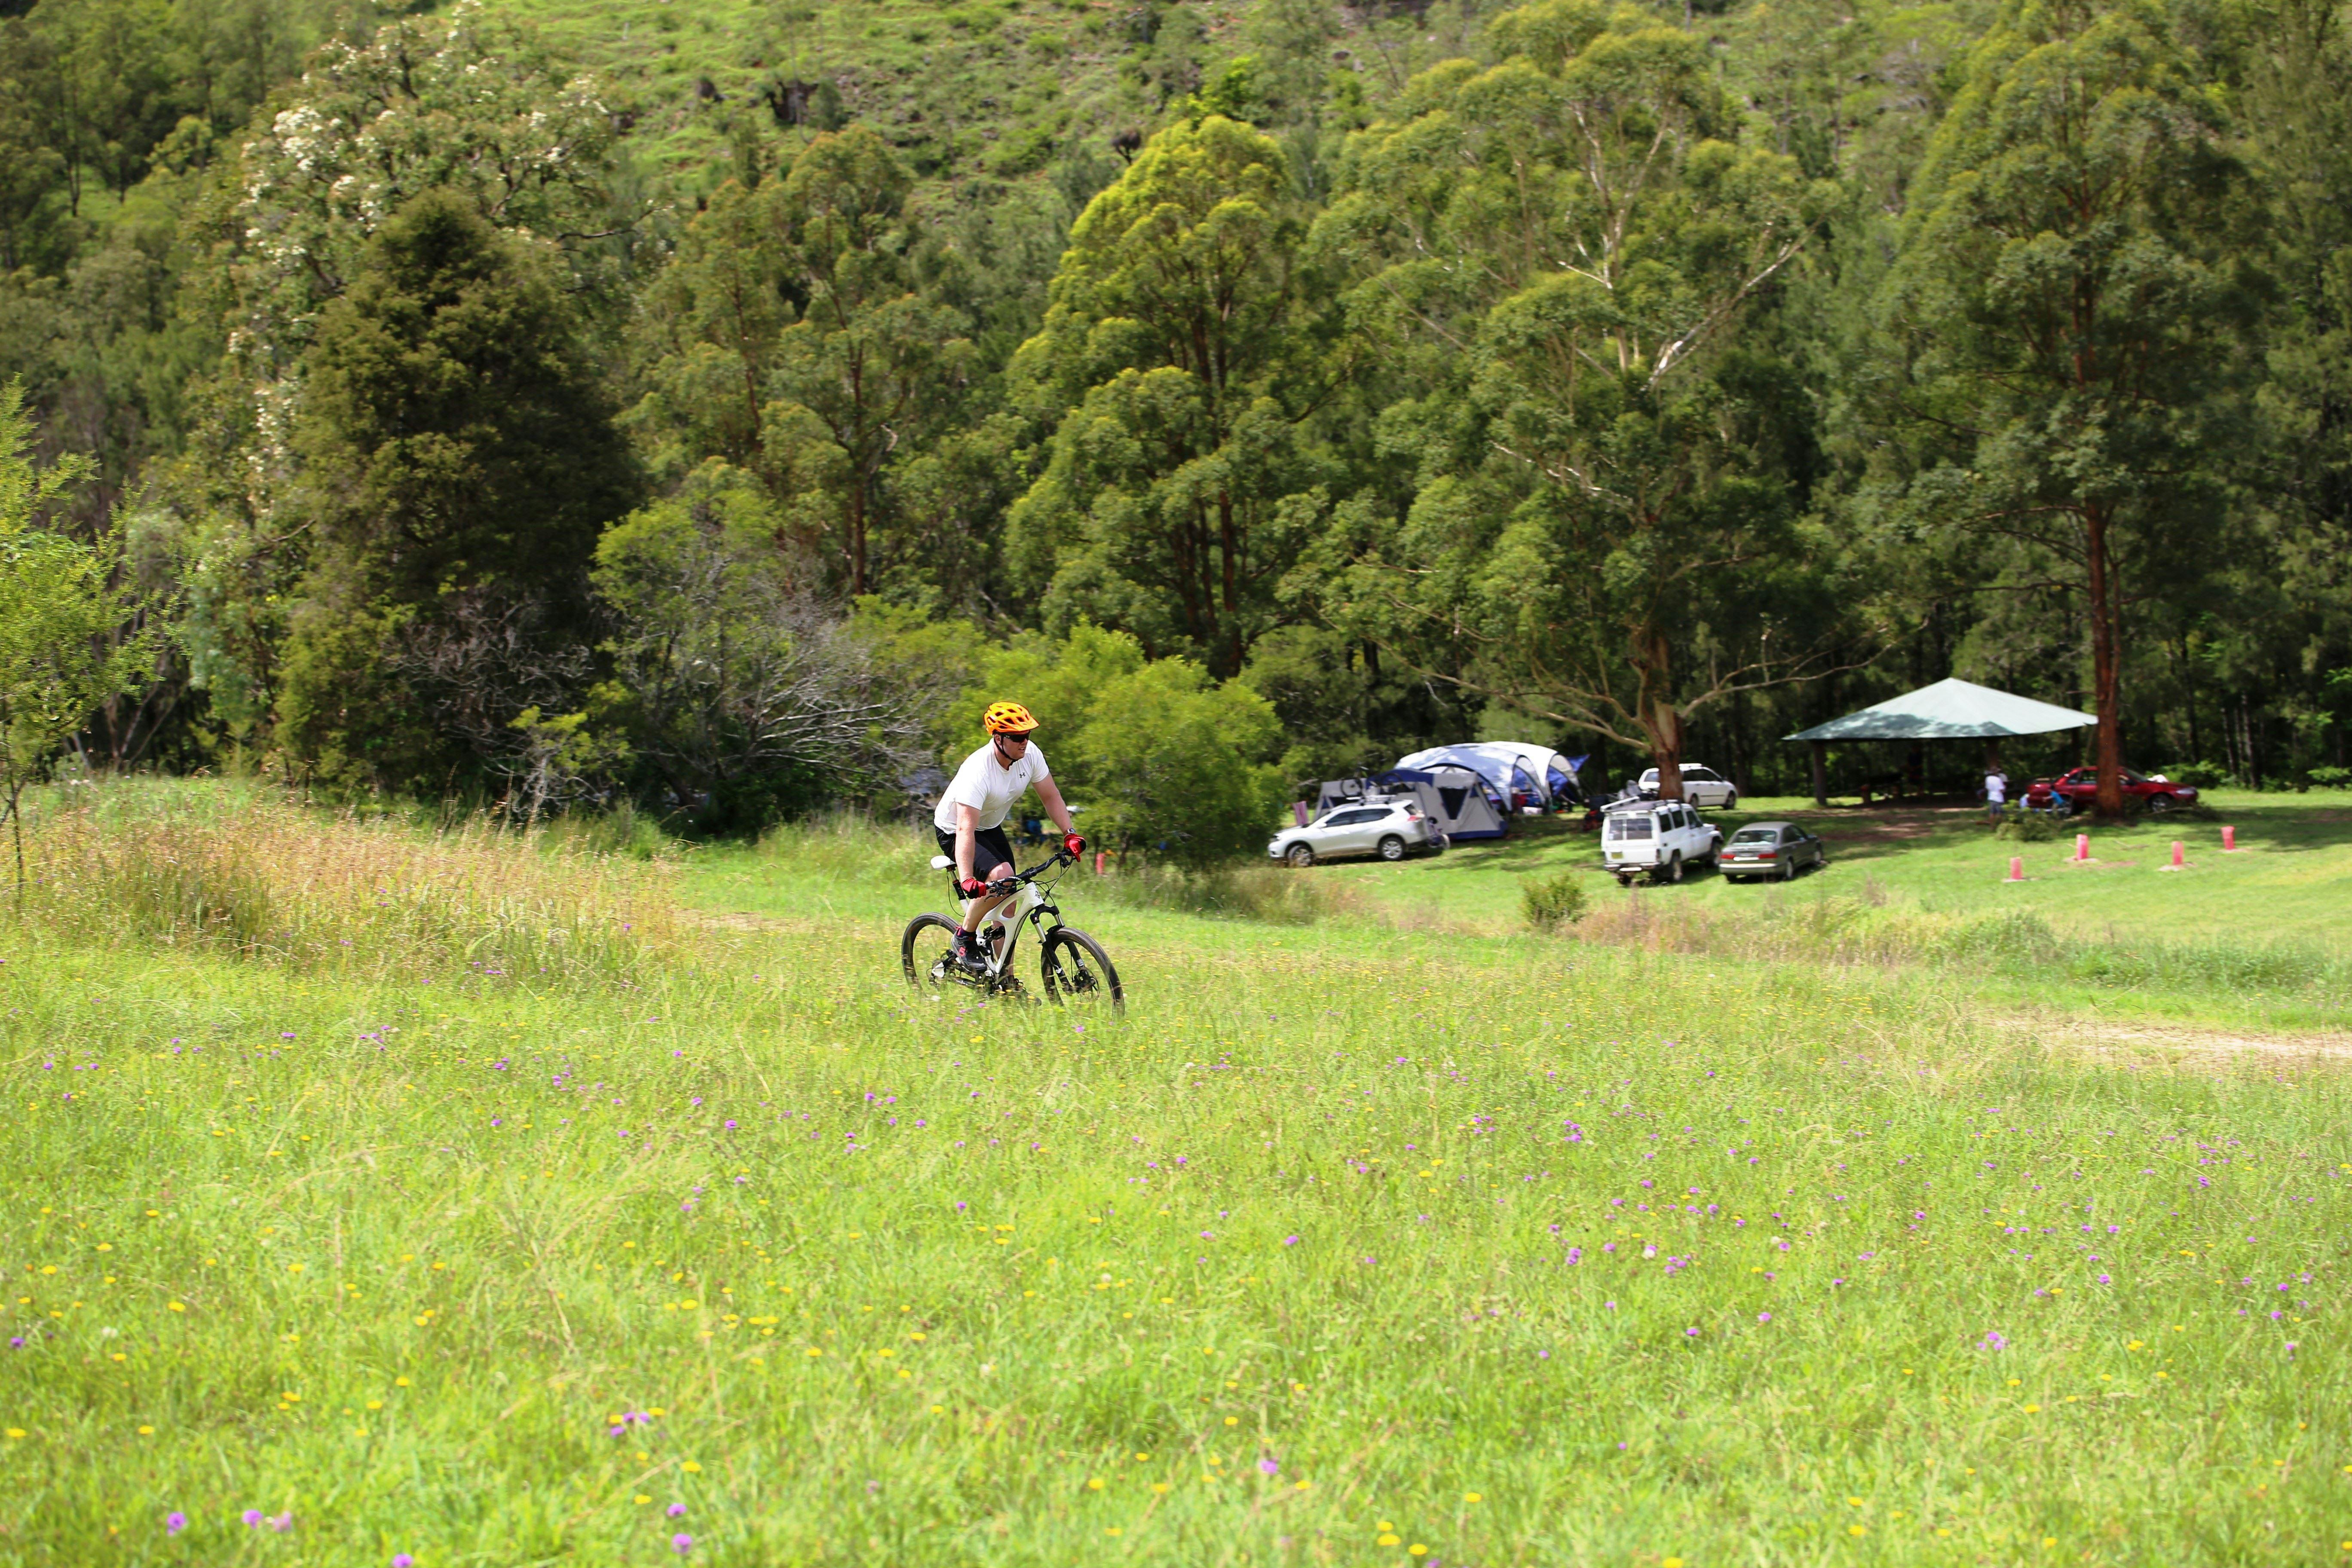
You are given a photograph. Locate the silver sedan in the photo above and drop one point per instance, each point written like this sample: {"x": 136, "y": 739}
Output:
{"x": 1776, "y": 849}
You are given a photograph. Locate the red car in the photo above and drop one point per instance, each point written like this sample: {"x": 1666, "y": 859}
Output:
{"x": 2078, "y": 788}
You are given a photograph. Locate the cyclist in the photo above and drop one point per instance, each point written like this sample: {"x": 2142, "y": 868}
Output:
{"x": 970, "y": 820}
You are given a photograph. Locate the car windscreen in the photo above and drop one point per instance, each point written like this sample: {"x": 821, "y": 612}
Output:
{"x": 1629, "y": 828}
{"x": 1757, "y": 835}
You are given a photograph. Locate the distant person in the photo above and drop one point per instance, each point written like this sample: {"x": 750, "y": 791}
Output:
{"x": 970, "y": 821}
{"x": 1996, "y": 793}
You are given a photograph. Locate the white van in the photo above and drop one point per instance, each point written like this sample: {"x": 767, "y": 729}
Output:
{"x": 1657, "y": 838}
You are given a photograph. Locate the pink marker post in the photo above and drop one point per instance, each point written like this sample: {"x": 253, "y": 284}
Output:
{"x": 2082, "y": 849}
{"x": 2229, "y": 841}
{"x": 2016, "y": 869}
{"x": 2177, "y": 861}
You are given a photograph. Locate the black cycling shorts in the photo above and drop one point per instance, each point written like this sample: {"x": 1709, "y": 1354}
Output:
{"x": 990, "y": 850}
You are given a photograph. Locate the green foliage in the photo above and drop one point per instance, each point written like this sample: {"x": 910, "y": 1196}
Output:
{"x": 2198, "y": 775}
{"x": 1573, "y": 372}
{"x": 458, "y": 463}
{"x": 1608, "y": 501}
{"x": 746, "y": 703}
{"x": 1548, "y": 903}
{"x": 1181, "y": 342}
{"x": 1179, "y": 764}
{"x": 2070, "y": 255}
{"x": 794, "y": 336}
{"x": 1166, "y": 761}
{"x": 62, "y": 614}
{"x": 2025, "y": 827}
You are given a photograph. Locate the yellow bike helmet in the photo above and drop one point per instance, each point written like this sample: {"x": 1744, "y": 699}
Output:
{"x": 1007, "y": 718}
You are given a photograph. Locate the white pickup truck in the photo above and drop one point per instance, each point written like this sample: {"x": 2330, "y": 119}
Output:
{"x": 1659, "y": 838}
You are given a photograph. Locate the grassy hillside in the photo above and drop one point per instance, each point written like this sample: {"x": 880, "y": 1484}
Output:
{"x": 990, "y": 90}
{"x": 482, "y": 1202}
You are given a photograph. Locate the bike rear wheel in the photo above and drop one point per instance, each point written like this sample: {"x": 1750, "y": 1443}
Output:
{"x": 926, "y": 953}
{"x": 1077, "y": 969}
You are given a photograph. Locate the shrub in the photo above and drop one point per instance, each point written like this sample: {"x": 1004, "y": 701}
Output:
{"x": 1552, "y": 902}
{"x": 2331, "y": 778}
{"x": 2025, "y": 827}
{"x": 2199, "y": 775}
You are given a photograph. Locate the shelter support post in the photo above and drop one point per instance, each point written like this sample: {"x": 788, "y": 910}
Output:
{"x": 1821, "y": 776}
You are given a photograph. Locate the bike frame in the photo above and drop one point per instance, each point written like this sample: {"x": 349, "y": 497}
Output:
{"x": 1027, "y": 904}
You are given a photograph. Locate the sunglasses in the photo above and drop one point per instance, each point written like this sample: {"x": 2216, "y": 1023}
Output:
{"x": 1021, "y": 736}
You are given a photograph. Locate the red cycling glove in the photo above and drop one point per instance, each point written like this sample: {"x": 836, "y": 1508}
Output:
{"x": 1074, "y": 844}
{"x": 972, "y": 887}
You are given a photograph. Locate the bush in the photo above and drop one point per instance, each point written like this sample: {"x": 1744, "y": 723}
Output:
{"x": 2331, "y": 778}
{"x": 2199, "y": 775}
{"x": 2025, "y": 827}
{"x": 1553, "y": 902}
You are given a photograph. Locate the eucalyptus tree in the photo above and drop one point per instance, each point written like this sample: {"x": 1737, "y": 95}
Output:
{"x": 1568, "y": 242}
{"x": 1184, "y": 357}
{"x": 2070, "y": 293}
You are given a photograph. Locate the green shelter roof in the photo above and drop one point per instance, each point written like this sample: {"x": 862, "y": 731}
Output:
{"x": 1949, "y": 711}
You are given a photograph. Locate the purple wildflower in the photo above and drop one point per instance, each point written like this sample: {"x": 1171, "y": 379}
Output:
{"x": 681, "y": 1544}
{"x": 175, "y": 1522}
{"x": 678, "y": 1510}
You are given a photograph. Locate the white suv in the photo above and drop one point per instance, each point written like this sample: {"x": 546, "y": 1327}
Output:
{"x": 1701, "y": 787}
{"x": 1658, "y": 838}
{"x": 1390, "y": 829}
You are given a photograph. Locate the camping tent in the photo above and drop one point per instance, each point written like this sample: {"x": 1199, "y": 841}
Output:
{"x": 1528, "y": 775}
{"x": 1461, "y": 802}
{"x": 1948, "y": 710}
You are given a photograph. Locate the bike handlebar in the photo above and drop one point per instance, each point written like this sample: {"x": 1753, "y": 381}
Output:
{"x": 1012, "y": 883}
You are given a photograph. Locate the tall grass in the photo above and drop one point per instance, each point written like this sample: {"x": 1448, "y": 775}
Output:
{"x": 1312, "y": 1257}
{"x": 852, "y": 845}
{"x": 1857, "y": 931}
{"x": 256, "y": 876}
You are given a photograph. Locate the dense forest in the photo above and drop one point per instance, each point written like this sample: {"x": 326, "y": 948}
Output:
{"x": 707, "y": 405}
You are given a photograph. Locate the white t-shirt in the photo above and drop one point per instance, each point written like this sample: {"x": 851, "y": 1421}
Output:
{"x": 1996, "y": 788}
{"x": 990, "y": 787}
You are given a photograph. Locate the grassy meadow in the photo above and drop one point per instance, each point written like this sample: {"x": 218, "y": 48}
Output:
{"x": 399, "y": 1190}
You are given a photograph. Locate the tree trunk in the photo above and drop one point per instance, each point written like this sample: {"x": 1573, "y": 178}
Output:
{"x": 857, "y": 536}
{"x": 1661, "y": 720}
{"x": 2104, "y": 655}
{"x": 1821, "y": 776}
{"x": 1229, "y": 547}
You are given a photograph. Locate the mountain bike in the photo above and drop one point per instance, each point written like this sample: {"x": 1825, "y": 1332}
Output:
{"x": 1073, "y": 967}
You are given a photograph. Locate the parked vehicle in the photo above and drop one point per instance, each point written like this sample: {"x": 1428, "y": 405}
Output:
{"x": 2079, "y": 787}
{"x": 1390, "y": 829}
{"x": 1703, "y": 787}
{"x": 1657, "y": 838}
{"x": 1776, "y": 849}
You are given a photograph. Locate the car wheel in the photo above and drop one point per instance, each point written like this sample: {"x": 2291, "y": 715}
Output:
{"x": 2157, "y": 805}
{"x": 1730, "y": 801}
{"x": 1672, "y": 871}
{"x": 1789, "y": 870}
{"x": 1391, "y": 848}
{"x": 1300, "y": 857}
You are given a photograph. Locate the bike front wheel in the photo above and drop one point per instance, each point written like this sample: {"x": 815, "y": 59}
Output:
{"x": 1078, "y": 970}
{"x": 928, "y": 953}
